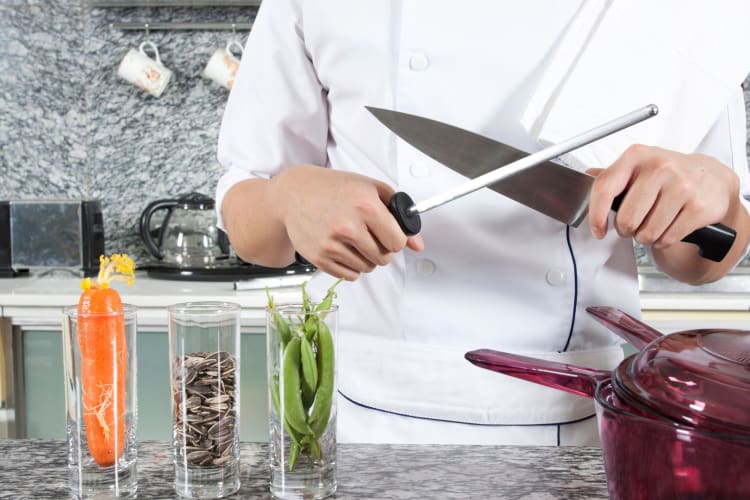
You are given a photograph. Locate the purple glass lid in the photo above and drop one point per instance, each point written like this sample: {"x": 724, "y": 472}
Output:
{"x": 699, "y": 378}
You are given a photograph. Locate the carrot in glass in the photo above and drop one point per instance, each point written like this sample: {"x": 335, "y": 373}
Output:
{"x": 104, "y": 356}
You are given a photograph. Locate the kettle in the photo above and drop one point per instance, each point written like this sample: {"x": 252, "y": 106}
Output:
{"x": 188, "y": 235}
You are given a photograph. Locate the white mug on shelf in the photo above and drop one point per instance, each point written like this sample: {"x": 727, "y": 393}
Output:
{"x": 150, "y": 75}
{"x": 223, "y": 65}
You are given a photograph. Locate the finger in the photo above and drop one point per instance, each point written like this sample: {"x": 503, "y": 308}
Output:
{"x": 372, "y": 251}
{"x": 385, "y": 230}
{"x": 385, "y": 192}
{"x": 681, "y": 226}
{"x": 661, "y": 217}
{"x": 339, "y": 271}
{"x": 350, "y": 257}
{"x": 610, "y": 183}
{"x": 637, "y": 204}
{"x": 415, "y": 242}
{"x": 594, "y": 172}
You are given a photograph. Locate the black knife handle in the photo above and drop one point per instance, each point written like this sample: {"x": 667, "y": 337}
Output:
{"x": 399, "y": 206}
{"x": 713, "y": 241}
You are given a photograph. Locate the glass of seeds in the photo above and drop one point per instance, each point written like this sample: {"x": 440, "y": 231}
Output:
{"x": 204, "y": 361}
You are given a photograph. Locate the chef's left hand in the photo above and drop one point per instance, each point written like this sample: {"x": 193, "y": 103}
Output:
{"x": 669, "y": 195}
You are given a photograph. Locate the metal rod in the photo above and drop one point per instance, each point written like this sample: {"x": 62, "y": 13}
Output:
{"x": 181, "y": 26}
{"x": 545, "y": 154}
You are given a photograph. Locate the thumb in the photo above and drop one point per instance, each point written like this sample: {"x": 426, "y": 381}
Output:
{"x": 594, "y": 172}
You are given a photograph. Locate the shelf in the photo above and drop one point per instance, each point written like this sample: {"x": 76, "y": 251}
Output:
{"x": 172, "y": 3}
{"x": 181, "y": 26}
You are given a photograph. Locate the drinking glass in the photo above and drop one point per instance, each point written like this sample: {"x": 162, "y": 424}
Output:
{"x": 99, "y": 351}
{"x": 300, "y": 345}
{"x": 204, "y": 354}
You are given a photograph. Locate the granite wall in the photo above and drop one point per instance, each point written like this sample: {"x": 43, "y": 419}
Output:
{"x": 69, "y": 127}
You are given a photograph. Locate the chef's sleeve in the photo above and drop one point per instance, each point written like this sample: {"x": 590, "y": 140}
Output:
{"x": 276, "y": 115}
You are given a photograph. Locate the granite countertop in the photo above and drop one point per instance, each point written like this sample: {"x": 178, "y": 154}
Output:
{"x": 38, "y": 469}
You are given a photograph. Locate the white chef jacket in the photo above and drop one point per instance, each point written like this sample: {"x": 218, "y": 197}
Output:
{"x": 494, "y": 274}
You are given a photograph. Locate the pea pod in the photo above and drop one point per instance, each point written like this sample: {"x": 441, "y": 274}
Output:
{"x": 293, "y": 435}
{"x": 294, "y": 411}
{"x": 284, "y": 334}
{"x": 281, "y": 327}
{"x": 293, "y": 454}
{"x": 321, "y": 410}
{"x": 309, "y": 372}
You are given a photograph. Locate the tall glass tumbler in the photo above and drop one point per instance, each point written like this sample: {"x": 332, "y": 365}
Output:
{"x": 204, "y": 354}
{"x": 99, "y": 351}
{"x": 301, "y": 344}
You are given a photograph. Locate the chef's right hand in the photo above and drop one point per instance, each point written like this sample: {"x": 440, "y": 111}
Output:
{"x": 339, "y": 221}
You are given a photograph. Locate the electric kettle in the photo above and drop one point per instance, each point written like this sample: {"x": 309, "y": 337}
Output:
{"x": 188, "y": 236}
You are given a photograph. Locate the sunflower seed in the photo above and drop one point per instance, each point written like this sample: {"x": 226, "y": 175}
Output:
{"x": 206, "y": 430}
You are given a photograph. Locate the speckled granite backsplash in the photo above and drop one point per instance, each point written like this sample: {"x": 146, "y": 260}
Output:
{"x": 69, "y": 127}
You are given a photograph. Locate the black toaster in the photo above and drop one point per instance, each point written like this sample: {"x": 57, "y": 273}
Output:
{"x": 50, "y": 234}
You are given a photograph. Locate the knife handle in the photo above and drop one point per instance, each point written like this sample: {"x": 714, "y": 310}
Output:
{"x": 399, "y": 206}
{"x": 714, "y": 241}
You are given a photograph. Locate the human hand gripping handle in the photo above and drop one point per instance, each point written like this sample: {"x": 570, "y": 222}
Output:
{"x": 714, "y": 241}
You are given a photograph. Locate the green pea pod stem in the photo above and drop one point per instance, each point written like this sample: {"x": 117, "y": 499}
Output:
{"x": 309, "y": 372}
{"x": 311, "y": 443}
{"x": 316, "y": 448}
{"x": 306, "y": 303}
{"x": 293, "y": 454}
{"x": 294, "y": 411}
{"x": 327, "y": 301}
{"x": 321, "y": 410}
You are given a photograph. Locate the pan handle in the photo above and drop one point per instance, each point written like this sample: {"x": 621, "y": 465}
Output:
{"x": 576, "y": 379}
{"x": 636, "y": 332}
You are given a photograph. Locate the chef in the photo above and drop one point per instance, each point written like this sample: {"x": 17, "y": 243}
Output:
{"x": 308, "y": 169}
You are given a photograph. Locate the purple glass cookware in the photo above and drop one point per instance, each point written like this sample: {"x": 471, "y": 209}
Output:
{"x": 674, "y": 418}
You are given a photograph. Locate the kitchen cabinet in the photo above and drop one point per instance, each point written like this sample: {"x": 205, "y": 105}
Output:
{"x": 31, "y": 368}
{"x": 44, "y": 414}
{"x": 31, "y": 390}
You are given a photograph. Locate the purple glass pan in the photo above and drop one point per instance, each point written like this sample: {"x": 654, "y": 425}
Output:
{"x": 674, "y": 418}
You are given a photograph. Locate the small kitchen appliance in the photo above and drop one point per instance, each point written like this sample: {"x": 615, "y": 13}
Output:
{"x": 187, "y": 244}
{"x": 50, "y": 234}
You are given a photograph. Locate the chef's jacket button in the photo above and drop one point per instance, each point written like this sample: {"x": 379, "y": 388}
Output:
{"x": 425, "y": 267}
{"x": 419, "y": 170}
{"x": 418, "y": 62}
{"x": 555, "y": 277}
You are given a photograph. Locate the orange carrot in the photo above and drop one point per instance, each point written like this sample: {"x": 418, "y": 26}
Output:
{"x": 104, "y": 357}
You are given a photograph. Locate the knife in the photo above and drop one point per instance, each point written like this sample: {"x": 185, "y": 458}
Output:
{"x": 534, "y": 180}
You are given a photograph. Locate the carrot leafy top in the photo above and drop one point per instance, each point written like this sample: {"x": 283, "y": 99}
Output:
{"x": 118, "y": 267}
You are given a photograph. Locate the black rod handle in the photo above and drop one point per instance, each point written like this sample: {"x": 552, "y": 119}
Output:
{"x": 399, "y": 206}
{"x": 714, "y": 241}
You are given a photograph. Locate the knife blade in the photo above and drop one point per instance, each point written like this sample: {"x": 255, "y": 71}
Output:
{"x": 549, "y": 187}
{"x": 532, "y": 180}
